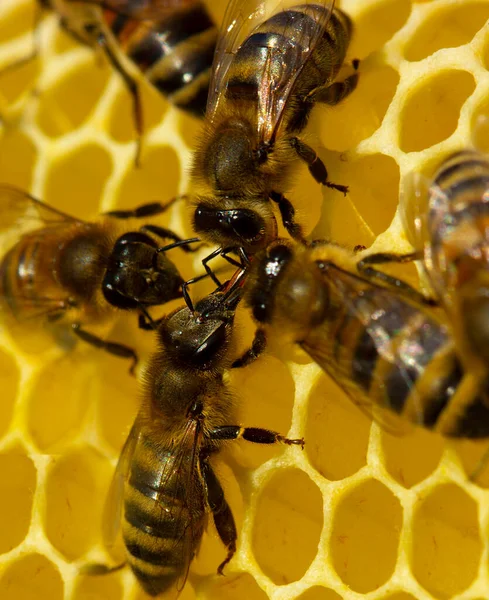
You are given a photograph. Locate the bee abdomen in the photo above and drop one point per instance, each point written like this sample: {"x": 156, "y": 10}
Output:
{"x": 17, "y": 272}
{"x": 176, "y": 54}
{"x": 462, "y": 181}
{"x": 156, "y": 520}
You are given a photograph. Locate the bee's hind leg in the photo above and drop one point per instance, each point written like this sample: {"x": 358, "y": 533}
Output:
{"x": 334, "y": 93}
{"x": 365, "y": 268}
{"x": 287, "y": 212}
{"x": 221, "y": 511}
{"x": 257, "y": 347}
{"x": 111, "y": 347}
{"x": 316, "y": 166}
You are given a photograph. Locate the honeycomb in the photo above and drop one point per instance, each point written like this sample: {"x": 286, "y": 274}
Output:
{"x": 378, "y": 516}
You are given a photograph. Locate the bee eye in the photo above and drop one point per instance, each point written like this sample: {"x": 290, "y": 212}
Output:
{"x": 246, "y": 224}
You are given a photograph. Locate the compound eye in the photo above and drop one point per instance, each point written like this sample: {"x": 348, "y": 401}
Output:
{"x": 211, "y": 346}
{"x": 247, "y": 224}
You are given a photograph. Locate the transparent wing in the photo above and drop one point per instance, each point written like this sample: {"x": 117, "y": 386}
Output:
{"x": 182, "y": 472}
{"x": 418, "y": 198}
{"x": 279, "y": 65}
{"x": 381, "y": 312}
{"x": 141, "y": 10}
{"x": 115, "y": 498}
{"x": 17, "y": 208}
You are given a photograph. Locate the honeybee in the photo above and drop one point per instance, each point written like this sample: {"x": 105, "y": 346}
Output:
{"x": 373, "y": 334}
{"x": 171, "y": 42}
{"x": 68, "y": 271}
{"x": 452, "y": 227}
{"x": 165, "y": 486}
{"x": 267, "y": 76}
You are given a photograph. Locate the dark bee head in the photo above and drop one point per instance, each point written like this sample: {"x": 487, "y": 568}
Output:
{"x": 137, "y": 275}
{"x": 200, "y": 340}
{"x": 242, "y": 222}
{"x": 286, "y": 286}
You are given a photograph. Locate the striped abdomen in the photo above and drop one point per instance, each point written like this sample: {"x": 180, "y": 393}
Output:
{"x": 175, "y": 53}
{"x": 458, "y": 218}
{"x": 286, "y": 31}
{"x": 163, "y": 519}
{"x": 397, "y": 357}
{"x": 27, "y": 283}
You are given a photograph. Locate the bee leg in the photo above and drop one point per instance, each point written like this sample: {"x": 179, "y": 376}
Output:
{"x": 257, "y": 347}
{"x": 97, "y": 569}
{"x": 316, "y": 166}
{"x": 110, "y": 347}
{"x": 221, "y": 511}
{"x": 130, "y": 83}
{"x": 168, "y": 234}
{"x": 402, "y": 287}
{"x": 145, "y": 210}
{"x": 336, "y": 92}
{"x": 287, "y": 212}
{"x": 256, "y": 435}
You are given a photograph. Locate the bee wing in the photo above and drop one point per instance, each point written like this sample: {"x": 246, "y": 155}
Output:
{"x": 142, "y": 10}
{"x": 402, "y": 351}
{"x": 281, "y": 65}
{"x": 182, "y": 472}
{"x": 115, "y": 497}
{"x": 18, "y": 207}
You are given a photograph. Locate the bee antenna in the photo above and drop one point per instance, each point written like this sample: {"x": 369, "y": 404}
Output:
{"x": 177, "y": 244}
{"x": 186, "y": 296}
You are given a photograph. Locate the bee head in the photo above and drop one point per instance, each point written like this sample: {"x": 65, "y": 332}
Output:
{"x": 245, "y": 222}
{"x": 200, "y": 339}
{"x": 285, "y": 286}
{"x": 138, "y": 275}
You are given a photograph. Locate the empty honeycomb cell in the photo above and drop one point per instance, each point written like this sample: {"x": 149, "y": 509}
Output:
{"x": 376, "y": 23}
{"x": 431, "y": 111}
{"x": 156, "y": 181}
{"x": 58, "y": 401}
{"x": 76, "y": 487}
{"x": 365, "y": 536}
{"x": 66, "y": 105}
{"x": 446, "y": 547}
{"x": 447, "y": 27}
{"x": 106, "y": 587}
{"x": 118, "y": 396}
{"x": 337, "y": 432}
{"x": 319, "y": 593}
{"x": 264, "y": 402}
{"x": 9, "y": 383}
{"x": 237, "y": 587}
{"x": 411, "y": 458}
{"x": 17, "y": 487}
{"x": 18, "y": 156}
{"x": 375, "y": 183}
{"x": 361, "y": 114}
{"x": 20, "y": 19}
{"x": 68, "y": 187}
{"x": 17, "y": 79}
{"x": 31, "y": 577}
{"x": 474, "y": 459}
{"x": 288, "y": 521}
{"x": 121, "y": 125}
